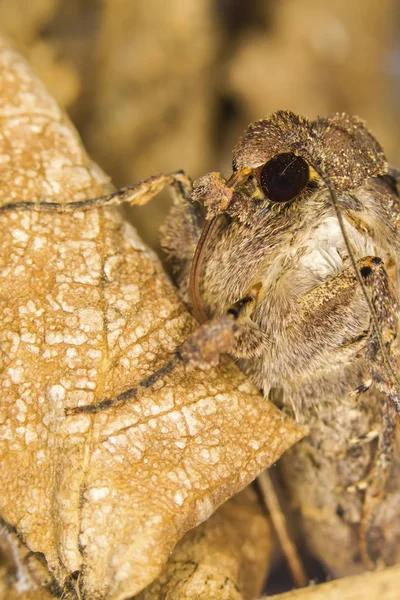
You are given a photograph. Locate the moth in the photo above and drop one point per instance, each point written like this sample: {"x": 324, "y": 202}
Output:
{"x": 291, "y": 267}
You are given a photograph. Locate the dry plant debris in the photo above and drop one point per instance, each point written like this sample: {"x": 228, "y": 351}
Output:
{"x": 368, "y": 586}
{"x": 225, "y": 558}
{"x": 13, "y": 594}
{"x": 86, "y": 313}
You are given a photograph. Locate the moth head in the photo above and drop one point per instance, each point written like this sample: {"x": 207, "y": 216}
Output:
{"x": 340, "y": 148}
{"x": 285, "y": 156}
{"x": 281, "y": 159}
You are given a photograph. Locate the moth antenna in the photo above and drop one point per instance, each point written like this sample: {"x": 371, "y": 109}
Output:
{"x": 374, "y": 317}
{"x": 195, "y": 270}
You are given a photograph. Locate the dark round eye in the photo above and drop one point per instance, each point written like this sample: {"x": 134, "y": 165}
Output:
{"x": 283, "y": 177}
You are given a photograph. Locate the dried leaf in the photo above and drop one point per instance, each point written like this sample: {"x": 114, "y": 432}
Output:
{"x": 368, "y": 586}
{"x": 34, "y": 594}
{"x": 19, "y": 569}
{"x": 225, "y": 558}
{"x": 86, "y": 313}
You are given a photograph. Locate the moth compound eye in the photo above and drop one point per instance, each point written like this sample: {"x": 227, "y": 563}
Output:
{"x": 283, "y": 177}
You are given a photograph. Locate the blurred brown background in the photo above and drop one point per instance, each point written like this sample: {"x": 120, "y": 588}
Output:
{"x": 157, "y": 86}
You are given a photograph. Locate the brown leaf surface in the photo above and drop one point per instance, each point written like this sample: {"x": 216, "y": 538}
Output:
{"x": 86, "y": 313}
{"x": 382, "y": 585}
{"x": 7, "y": 593}
{"x": 20, "y": 569}
{"x": 224, "y": 558}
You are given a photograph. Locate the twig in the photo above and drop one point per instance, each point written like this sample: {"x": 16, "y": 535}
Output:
{"x": 279, "y": 522}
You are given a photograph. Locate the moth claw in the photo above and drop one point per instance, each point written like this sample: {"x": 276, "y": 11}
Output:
{"x": 361, "y": 389}
{"x": 359, "y": 486}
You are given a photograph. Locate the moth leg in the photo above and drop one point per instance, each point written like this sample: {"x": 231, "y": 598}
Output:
{"x": 375, "y": 484}
{"x": 136, "y": 194}
{"x": 382, "y": 348}
{"x": 385, "y": 302}
{"x": 322, "y": 318}
{"x": 202, "y": 349}
{"x": 382, "y": 354}
{"x": 180, "y": 233}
